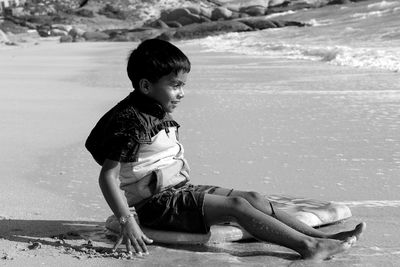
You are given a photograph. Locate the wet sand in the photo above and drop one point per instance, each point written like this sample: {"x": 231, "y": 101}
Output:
{"x": 272, "y": 125}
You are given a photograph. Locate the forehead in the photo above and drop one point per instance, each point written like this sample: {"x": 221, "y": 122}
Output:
{"x": 172, "y": 77}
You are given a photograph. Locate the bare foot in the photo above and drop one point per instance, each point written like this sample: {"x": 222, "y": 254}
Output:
{"x": 323, "y": 249}
{"x": 356, "y": 232}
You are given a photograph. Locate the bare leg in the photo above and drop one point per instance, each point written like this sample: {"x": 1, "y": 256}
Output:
{"x": 260, "y": 203}
{"x": 219, "y": 209}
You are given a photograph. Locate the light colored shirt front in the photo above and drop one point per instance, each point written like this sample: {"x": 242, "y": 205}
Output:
{"x": 160, "y": 164}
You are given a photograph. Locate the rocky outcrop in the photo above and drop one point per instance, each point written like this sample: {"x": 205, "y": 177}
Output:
{"x": 261, "y": 24}
{"x": 237, "y": 5}
{"x": 184, "y": 16}
{"x": 206, "y": 29}
{"x": 221, "y": 13}
{"x": 95, "y": 36}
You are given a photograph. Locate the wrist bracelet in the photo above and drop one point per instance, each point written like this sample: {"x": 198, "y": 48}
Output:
{"x": 124, "y": 219}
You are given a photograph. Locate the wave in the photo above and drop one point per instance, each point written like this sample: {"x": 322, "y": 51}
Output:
{"x": 382, "y": 4}
{"x": 371, "y": 203}
{"x": 386, "y": 59}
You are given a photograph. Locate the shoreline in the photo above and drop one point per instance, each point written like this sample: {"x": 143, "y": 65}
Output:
{"x": 47, "y": 170}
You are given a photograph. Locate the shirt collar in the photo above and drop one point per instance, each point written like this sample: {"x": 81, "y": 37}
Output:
{"x": 147, "y": 105}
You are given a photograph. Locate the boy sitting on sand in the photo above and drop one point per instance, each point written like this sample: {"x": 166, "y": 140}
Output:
{"x": 137, "y": 143}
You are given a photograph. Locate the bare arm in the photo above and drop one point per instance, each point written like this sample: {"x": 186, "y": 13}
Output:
{"x": 130, "y": 231}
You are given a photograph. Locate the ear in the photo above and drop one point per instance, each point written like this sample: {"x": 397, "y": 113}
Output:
{"x": 145, "y": 86}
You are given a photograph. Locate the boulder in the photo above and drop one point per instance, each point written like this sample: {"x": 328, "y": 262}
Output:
{"x": 66, "y": 39}
{"x": 181, "y": 15}
{"x": 173, "y": 24}
{"x": 75, "y": 32}
{"x": 254, "y": 10}
{"x": 142, "y": 34}
{"x": 205, "y": 12}
{"x": 236, "y": 5}
{"x": 221, "y": 13}
{"x": 62, "y": 27}
{"x": 95, "y": 36}
{"x": 204, "y": 19}
{"x": 273, "y": 3}
{"x": 174, "y": 15}
{"x": 119, "y": 36}
{"x": 57, "y": 32}
{"x": 339, "y": 2}
{"x": 189, "y": 19}
{"x": 259, "y": 24}
{"x": 159, "y": 24}
{"x": 210, "y": 28}
{"x": 166, "y": 36}
{"x": 194, "y": 9}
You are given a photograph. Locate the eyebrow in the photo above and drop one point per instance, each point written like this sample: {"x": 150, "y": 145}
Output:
{"x": 176, "y": 81}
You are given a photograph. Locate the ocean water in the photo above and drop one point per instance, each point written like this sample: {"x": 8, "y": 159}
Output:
{"x": 364, "y": 35}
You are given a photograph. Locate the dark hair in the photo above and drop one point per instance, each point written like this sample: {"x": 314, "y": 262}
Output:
{"x": 153, "y": 59}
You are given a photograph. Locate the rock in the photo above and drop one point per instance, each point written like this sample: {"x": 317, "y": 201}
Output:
{"x": 166, "y": 36}
{"x": 181, "y": 15}
{"x": 85, "y": 13}
{"x": 339, "y": 2}
{"x": 204, "y": 19}
{"x": 66, "y": 39}
{"x": 141, "y": 35}
{"x": 173, "y": 24}
{"x": 259, "y": 24}
{"x": 95, "y": 36}
{"x": 35, "y": 245}
{"x": 254, "y": 10}
{"x": 62, "y": 27}
{"x": 79, "y": 39}
{"x": 210, "y": 28}
{"x": 205, "y": 12}
{"x": 57, "y": 32}
{"x": 174, "y": 14}
{"x": 189, "y": 19}
{"x": 75, "y": 32}
{"x": 196, "y": 10}
{"x": 273, "y": 3}
{"x": 236, "y": 5}
{"x": 220, "y": 13}
{"x": 159, "y": 24}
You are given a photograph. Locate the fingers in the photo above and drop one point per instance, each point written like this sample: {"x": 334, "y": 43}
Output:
{"x": 128, "y": 245}
{"x": 119, "y": 241}
{"x": 147, "y": 240}
{"x": 134, "y": 245}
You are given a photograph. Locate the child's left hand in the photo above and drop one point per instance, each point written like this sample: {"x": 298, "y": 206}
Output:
{"x": 133, "y": 236}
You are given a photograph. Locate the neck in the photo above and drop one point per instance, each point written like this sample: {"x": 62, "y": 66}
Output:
{"x": 147, "y": 104}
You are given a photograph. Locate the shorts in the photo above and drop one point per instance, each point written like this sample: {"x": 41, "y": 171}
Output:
{"x": 177, "y": 209}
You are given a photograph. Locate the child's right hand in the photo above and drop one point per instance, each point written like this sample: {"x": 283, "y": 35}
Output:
{"x": 133, "y": 237}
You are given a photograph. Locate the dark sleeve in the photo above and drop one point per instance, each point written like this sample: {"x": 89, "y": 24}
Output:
{"x": 113, "y": 137}
{"x": 119, "y": 141}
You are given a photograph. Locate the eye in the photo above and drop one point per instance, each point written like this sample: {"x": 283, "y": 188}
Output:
{"x": 177, "y": 85}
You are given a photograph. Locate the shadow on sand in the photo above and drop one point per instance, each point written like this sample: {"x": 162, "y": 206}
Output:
{"x": 76, "y": 235}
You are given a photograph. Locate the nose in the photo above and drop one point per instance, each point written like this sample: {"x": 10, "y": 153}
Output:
{"x": 181, "y": 94}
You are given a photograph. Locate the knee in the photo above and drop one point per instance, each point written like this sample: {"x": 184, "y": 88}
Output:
{"x": 237, "y": 204}
{"x": 252, "y": 197}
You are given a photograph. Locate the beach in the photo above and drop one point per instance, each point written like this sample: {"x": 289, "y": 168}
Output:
{"x": 269, "y": 124}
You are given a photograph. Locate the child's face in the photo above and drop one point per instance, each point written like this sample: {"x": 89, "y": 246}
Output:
{"x": 168, "y": 90}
